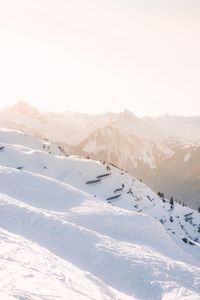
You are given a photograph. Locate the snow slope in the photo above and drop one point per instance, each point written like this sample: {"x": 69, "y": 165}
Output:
{"x": 16, "y": 137}
{"x": 29, "y": 271}
{"x": 63, "y": 236}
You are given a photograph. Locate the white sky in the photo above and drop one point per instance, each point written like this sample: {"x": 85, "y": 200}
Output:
{"x": 100, "y": 55}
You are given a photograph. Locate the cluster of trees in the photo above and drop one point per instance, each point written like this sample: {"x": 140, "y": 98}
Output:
{"x": 172, "y": 201}
{"x": 161, "y": 195}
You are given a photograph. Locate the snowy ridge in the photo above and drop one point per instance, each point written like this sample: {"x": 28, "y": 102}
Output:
{"x": 111, "y": 239}
{"x": 16, "y": 137}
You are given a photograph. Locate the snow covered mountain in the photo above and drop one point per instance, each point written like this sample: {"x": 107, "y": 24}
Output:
{"x": 163, "y": 152}
{"x": 74, "y": 228}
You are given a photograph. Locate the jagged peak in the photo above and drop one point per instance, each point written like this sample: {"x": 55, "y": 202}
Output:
{"x": 128, "y": 114}
{"x": 24, "y": 108}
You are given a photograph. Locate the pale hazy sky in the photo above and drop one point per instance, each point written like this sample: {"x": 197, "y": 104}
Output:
{"x": 100, "y": 55}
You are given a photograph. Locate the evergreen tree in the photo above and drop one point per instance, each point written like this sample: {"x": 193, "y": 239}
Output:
{"x": 172, "y": 202}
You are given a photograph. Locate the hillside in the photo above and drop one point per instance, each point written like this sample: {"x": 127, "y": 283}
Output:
{"x": 75, "y": 228}
{"x": 154, "y": 149}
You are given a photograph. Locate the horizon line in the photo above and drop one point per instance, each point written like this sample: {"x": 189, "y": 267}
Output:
{"x": 125, "y": 110}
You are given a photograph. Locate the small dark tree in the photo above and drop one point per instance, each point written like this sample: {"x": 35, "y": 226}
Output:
{"x": 199, "y": 209}
{"x": 161, "y": 195}
{"x": 171, "y": 202}
{"x": 108, "y": 168}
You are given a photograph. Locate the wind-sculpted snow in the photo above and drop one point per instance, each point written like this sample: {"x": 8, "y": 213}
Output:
{"x": 29, "y": 271}
{"x": 61, "y": 238}
{"x": 122, "y": 265}
{"x": 39, "y": 191}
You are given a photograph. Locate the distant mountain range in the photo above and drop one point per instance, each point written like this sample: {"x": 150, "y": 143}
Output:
{"x": 163, "y": 151}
